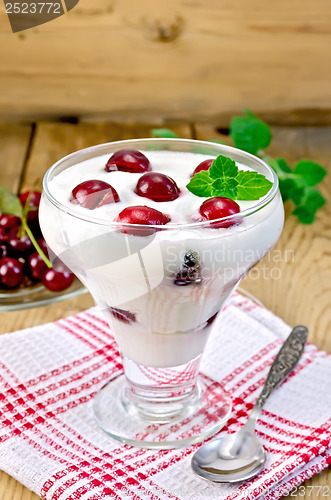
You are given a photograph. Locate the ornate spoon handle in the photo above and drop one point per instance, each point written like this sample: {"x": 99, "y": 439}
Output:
{"x": 284, "y": 362}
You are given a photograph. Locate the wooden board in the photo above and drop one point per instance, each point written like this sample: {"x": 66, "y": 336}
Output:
{"x": 302, "y": 293}
{"x": 202, "y": 59}
{"x": 14, "y": 146}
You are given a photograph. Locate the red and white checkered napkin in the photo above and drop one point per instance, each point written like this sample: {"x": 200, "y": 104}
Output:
{"x": 50, "y": 442}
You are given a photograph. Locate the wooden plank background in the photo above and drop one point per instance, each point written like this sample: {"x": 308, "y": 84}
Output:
{"x": 300, "y": 294}
{"x": 199, "y": 59}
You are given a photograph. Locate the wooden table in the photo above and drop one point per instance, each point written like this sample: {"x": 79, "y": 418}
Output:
{"x": 294, "y": 281}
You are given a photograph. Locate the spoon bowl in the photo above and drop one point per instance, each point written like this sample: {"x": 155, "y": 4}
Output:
{"x": 232, "y": 458}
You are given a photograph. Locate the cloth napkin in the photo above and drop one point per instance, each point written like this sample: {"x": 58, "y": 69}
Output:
{"x": 50, "y": 442}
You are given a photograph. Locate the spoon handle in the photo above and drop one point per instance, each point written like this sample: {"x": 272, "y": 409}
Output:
{"x": 284, "y": 362}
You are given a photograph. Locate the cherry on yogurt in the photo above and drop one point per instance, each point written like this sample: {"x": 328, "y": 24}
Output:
{"x": 204, "y": 165}
{"x": 157, "y": 187}
{"x": 128, "y": 160}
{"x": 141, "y": 215}
{"x": 94, "y": 194}
{"x": 218, "y": 207}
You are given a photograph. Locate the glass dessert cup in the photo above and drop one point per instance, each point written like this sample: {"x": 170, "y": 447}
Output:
{"x": 135, "y": 274}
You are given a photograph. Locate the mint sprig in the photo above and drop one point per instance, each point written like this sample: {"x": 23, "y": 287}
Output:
{"x": 10, "y": 204}
{"x": 224, "y": 178}
{"x": 297, "y": 184}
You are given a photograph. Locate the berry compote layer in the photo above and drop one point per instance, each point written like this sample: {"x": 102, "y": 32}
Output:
{"x": 150, "y": 251}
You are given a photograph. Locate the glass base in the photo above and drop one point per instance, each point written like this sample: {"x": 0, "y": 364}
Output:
{"x": 174, "y": 422}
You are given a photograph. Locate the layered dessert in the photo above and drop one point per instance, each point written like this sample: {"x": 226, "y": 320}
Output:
{"x": 159, "y": 255}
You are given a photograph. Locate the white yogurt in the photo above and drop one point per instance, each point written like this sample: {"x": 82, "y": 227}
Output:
{"x": 162, "y": 324}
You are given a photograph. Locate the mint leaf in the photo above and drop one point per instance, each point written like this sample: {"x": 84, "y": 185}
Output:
{"x": 201, "y": 184}
{"x": 225, "y": 187}
{"x": 165, "y": 133}
{"x": 296, "y": 194}
{"x": 251, "y": 185}
{"x": 223, "y": 167}
{"x": 283, "y": 165}
{"x": 279, "y": 165}
{"x": 311, "y": 200}
{"x": 223, "y": 171}
{"x": 311, "y": 172}
{"x": 303, "y": 215}
{"x": 224, "y": 179}
{"x": 10, "y": 203}
{"x": 250, "y": 133}
{"x": 286, "y": 182}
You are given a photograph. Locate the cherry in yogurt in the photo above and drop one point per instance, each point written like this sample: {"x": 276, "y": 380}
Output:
{"x": 204, "y": 165}
{"x": 217, "y": 208}
{"x": 141, "y": 215}
{"x": 94, "y": 194}
{"x": 128, "y": 160}
{"x": 157, "y": 187}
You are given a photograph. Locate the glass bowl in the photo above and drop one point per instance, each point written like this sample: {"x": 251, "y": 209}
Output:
{"x": 36, "y": 296}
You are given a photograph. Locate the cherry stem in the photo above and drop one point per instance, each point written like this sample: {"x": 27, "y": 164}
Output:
{"x": 35, "y": 244}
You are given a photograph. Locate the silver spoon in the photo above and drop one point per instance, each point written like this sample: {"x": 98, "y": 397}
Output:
{"x": 239, "y": 456}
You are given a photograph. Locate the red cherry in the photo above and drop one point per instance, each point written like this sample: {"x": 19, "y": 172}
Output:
{"x": 34, "y": 200}
{"x": 157, "y": 187}
{"x": 19, "y": 247}
{"x": 93, "y": 194}
{"x": 218, "y": 207}
{"x": 37, "y": 266}
{"x": 11, "y": 272}
{"x": 3, "y": 234}
{"x": 141, "y": 215}
{"x": 58, "y": 279}
{"x": 128, "y": 160}
{"x": 9, "y": 221}
{"x": 204, "y": 165}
